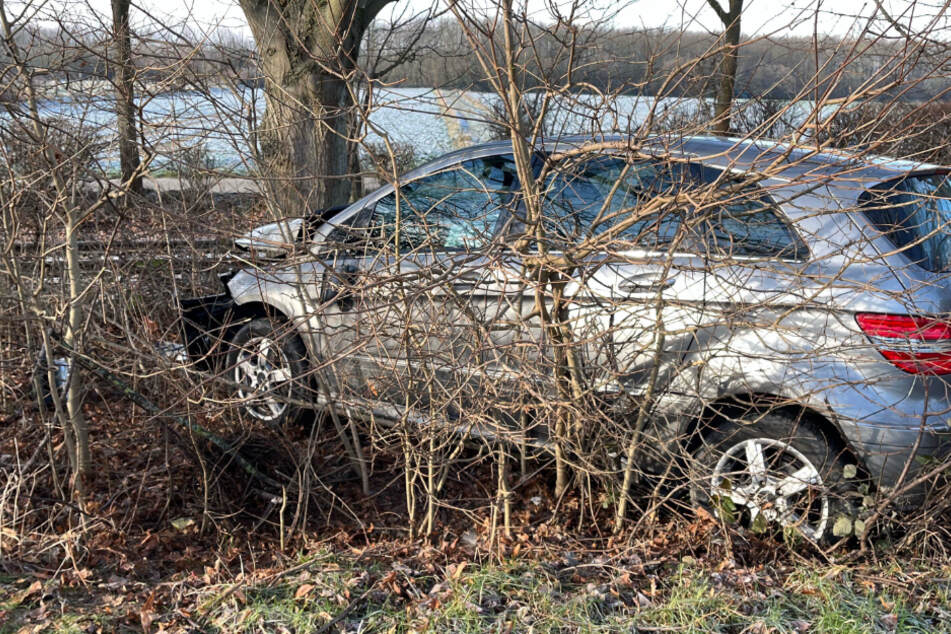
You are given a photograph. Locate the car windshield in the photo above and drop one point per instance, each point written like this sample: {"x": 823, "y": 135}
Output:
{"x": 915, "y": 214}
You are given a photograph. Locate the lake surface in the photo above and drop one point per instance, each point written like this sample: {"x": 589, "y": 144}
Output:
{"x": 431, "y": 121}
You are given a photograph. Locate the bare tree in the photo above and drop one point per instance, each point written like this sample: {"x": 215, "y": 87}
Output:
{"x": 727, "y": 72}
{"x": 41, "y": 138}
{"x": 308, "y": 52}
{"x": 125, "y": 97}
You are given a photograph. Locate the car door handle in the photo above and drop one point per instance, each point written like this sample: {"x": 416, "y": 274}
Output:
{"x": 646, "y": 283}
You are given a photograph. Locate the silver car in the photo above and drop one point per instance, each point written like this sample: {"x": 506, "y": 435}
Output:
{"x": 774, "y": 314}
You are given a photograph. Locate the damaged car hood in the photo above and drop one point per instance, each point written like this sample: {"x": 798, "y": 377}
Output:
{"x": 273, "y": 240}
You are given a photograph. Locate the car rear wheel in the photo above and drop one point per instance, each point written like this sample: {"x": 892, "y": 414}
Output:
{"x": 268, "y": 364}
{"x": 773, "y": 470}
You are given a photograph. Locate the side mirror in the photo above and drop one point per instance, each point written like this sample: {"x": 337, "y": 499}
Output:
{"x": 338, "y": 286}
{"x": 355, "y": 236}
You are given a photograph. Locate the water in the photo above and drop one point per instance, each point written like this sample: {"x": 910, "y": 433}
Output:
{"x": 218, "y": 123}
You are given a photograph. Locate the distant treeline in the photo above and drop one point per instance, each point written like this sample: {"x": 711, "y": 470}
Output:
{"x": 652, "y": 61}
{"x": 436, "y": 54}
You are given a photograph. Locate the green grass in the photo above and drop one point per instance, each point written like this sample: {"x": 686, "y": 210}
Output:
{"x": 531, "y": 596}
{"x": 835, "y": 603}
{"x": 525, "y": 596}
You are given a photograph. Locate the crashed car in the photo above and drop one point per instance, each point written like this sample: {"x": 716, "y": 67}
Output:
{"x": 789, "y": 327}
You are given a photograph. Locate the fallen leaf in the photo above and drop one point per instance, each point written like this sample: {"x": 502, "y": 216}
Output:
{"x": 703, "y": 514}
{"x": 842, "y": 526}
{"x": 22, "y": 596}
{"x": 642, "y": 600}
{"x": 9, "y": 533}
{"x": 182, "y": 523}
{"x": 303, "y": 590}
{"x": 889, "y": 622}
{"x": 145, "y": 619}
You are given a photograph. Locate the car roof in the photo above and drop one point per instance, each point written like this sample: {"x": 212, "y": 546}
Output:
{"x": 790, "y": 162}
{"x": 805, "y": 164}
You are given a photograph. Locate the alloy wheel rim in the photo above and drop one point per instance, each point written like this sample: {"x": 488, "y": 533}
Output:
{"x": 772, "y": 479}
{"x": 263, "y": 375}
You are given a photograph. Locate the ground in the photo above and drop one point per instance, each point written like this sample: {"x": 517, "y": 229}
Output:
{"x": 141, "y": 560}
{"x": 174, "y": 536}
{"x": 384, "y": 589}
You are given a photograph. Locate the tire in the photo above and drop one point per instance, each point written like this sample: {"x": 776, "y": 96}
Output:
{"x": 268, "y": 363}
{"x": 773, "y": 470}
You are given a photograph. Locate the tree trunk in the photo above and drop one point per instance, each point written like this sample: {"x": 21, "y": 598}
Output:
{"x": 353, "y": 147}
{"x": 728, "y": 64}
{"x": 125, "y": 105}
{"x": 79, "y": 426}
{"x": 308, "y": 54}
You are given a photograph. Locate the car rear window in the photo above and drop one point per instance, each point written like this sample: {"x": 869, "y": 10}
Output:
{"x": 914, "y": 213}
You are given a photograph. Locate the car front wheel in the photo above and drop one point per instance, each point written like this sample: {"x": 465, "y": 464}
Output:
{"x": 267, "y": 363}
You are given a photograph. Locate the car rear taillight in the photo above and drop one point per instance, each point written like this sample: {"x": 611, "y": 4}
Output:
{"x": 918, "y": 345}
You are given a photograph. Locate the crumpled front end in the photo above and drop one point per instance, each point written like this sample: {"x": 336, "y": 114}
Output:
{"x": 204, "y": 323}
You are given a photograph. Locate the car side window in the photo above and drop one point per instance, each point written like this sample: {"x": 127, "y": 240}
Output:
{"x": 611, "y": 197}
{"x": 743, "y": 221}
{"x": 914, "y": 213}
{"x": 456, "y": 209}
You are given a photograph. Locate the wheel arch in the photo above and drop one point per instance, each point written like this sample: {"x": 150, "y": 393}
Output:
{"x": 735, "y": 405}
{"x": 254, "y": 309}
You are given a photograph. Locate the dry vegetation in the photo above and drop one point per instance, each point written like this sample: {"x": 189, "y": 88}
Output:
{"x": 142, "y": 496}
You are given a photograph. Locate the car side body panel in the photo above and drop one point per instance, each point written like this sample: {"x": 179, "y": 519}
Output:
{"x": 721, "y": 328}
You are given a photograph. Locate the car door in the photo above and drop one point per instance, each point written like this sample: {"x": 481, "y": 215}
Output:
{"x": 408, "y": 317}
{"x": 636, "y": 290}
{"x": 758, "y": 300}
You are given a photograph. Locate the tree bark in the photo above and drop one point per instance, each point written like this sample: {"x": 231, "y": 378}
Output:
{"x": 125, "y": 104}
{"x": 728, "y": 63}
{"x": 308, "y": 53}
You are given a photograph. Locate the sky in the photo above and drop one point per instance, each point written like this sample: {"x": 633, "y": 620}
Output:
{"x": 760, "y": 17}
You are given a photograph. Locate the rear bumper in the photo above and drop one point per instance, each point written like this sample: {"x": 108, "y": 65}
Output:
{"x": 897, "y": 456}
{"x": 204, "y": 325}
